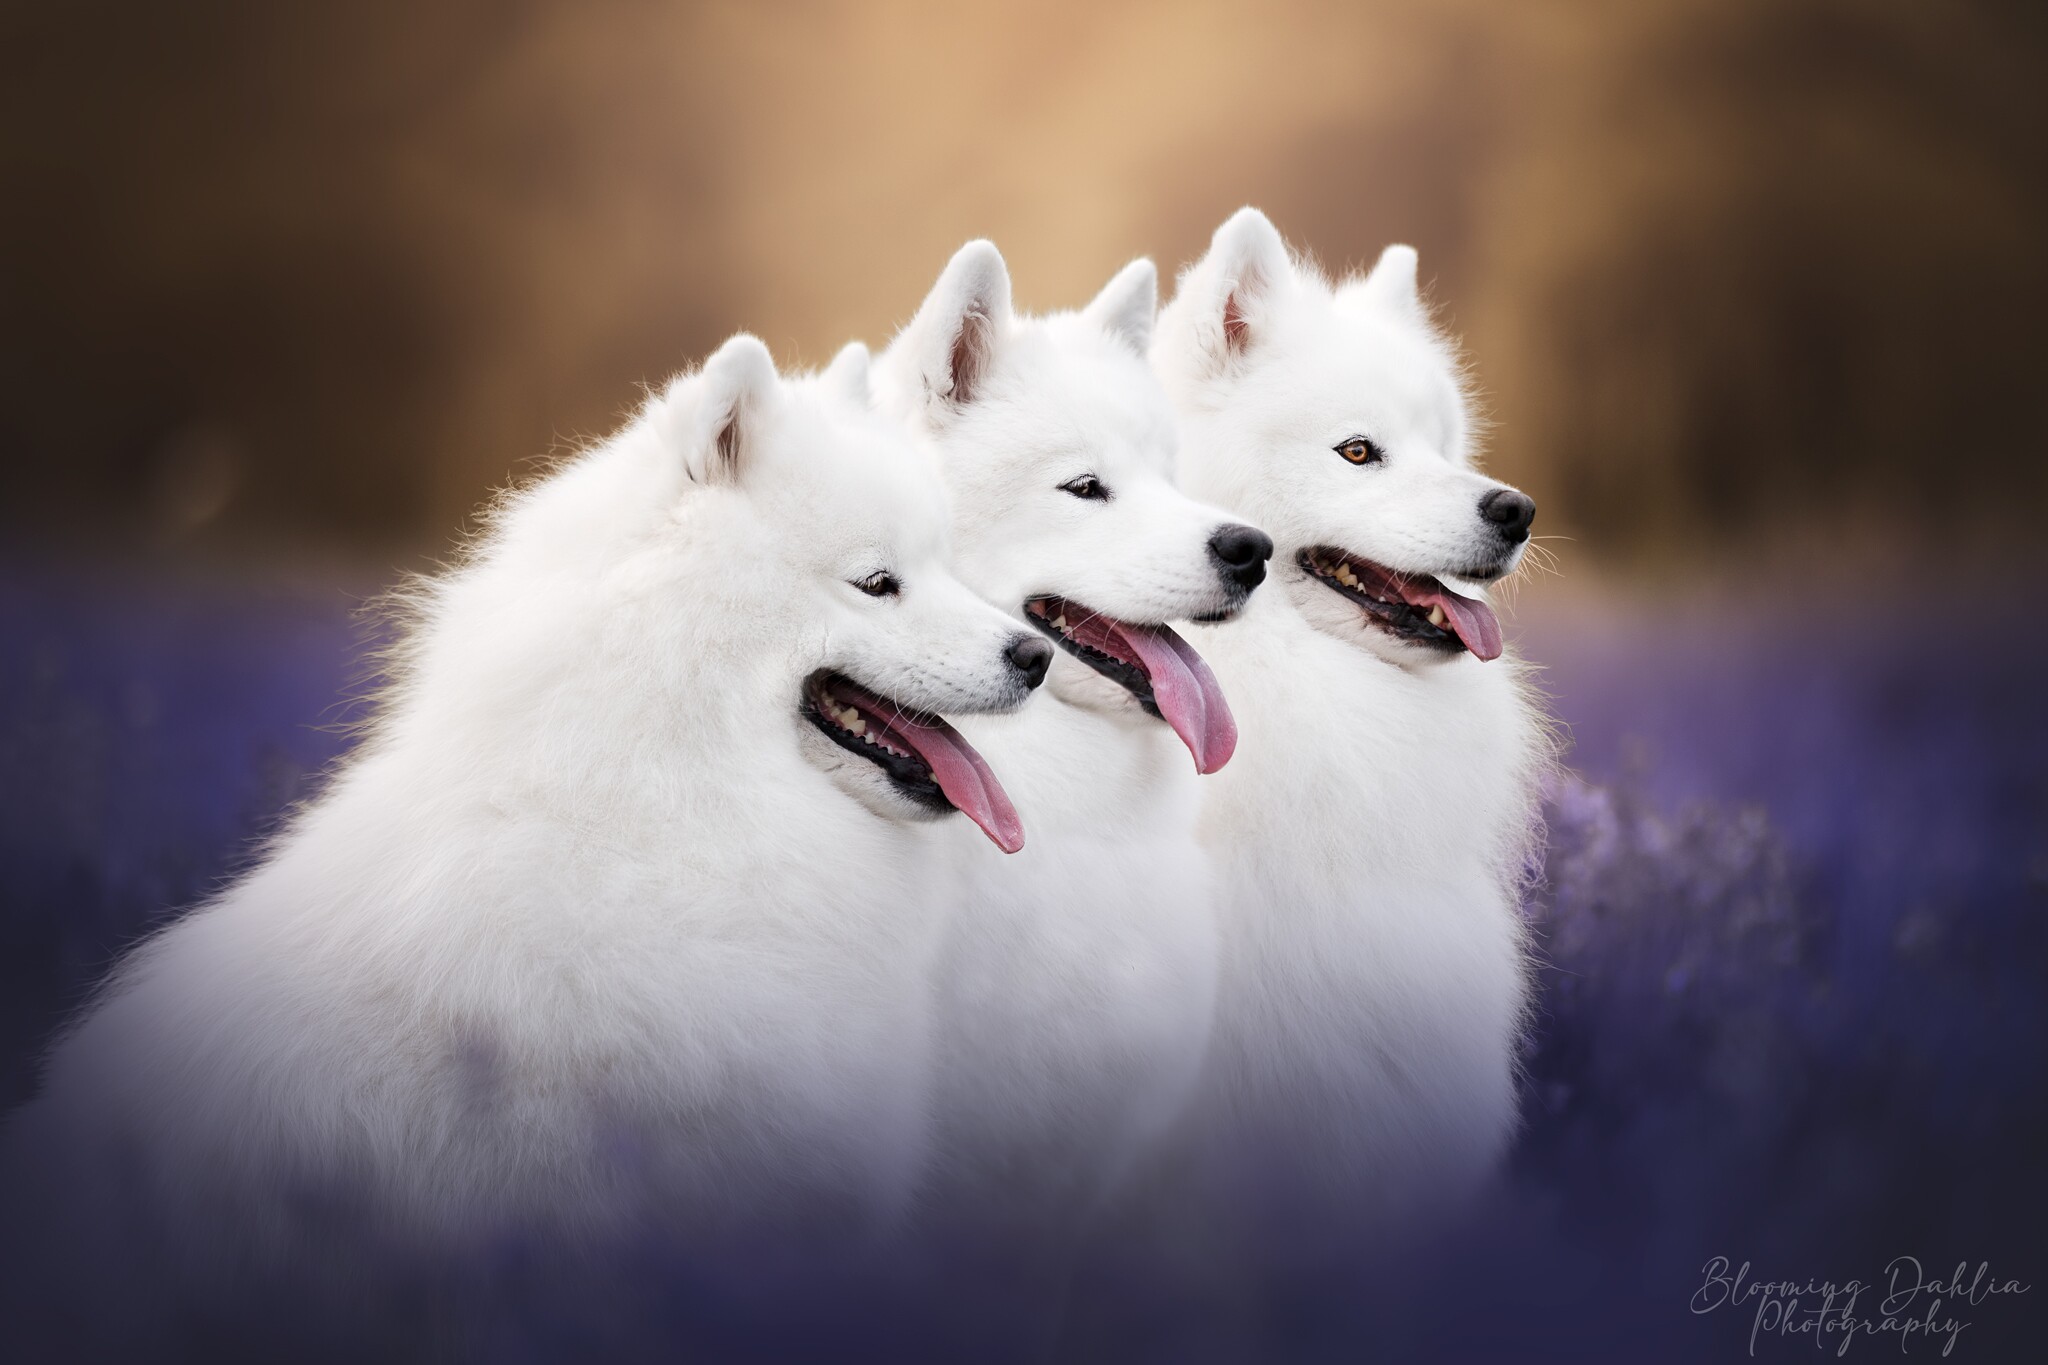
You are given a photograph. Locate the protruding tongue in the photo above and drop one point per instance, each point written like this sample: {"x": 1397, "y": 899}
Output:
{"x": 1183, "y": 688}
{"x": 962, "y": 774}
{"x": 1472, "y": 619}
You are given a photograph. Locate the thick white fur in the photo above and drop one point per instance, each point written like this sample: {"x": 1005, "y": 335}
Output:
{"x": 1373, "y": 829}
{"x": 1076, "y": 986}
{"x": 595, "y": 926}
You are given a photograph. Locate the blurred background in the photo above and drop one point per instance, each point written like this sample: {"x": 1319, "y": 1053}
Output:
{"x": 322, "y": 275}
{"x": 1754, "y": 289}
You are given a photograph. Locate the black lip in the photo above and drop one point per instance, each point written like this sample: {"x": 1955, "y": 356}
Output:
{"x": 910, "y": 775}
{"x": 1398, "y": 619}
{"x": 1494, "y": 574}
{"x": 1126, "y": 675}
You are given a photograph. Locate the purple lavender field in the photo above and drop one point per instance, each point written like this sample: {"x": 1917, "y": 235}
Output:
{"x": 1793, "y": 1008}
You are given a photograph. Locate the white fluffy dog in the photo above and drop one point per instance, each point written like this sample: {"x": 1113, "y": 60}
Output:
{"x": 1076, "y": 987}
{"x": 1373, "y": 831}
{"x": 622, "y": 912}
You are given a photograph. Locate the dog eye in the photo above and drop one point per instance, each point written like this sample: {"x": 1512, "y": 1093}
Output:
{"x": 1088, "y": 487}
{"x": 1358, "y": 450}
{"x": 879, "y": 585}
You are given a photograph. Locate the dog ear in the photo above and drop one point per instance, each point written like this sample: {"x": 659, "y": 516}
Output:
{"x": 1235, "y": 286}
{"x": 1128, "y": 304}
{"x": 1392, "y": 287}
{"x": 847, "y": 375}
{"x": 959, "y": 330}
{"x": 734, "y": 390}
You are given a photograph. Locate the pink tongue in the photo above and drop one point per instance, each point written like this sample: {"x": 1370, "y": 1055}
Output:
{"x": 963, "y": 776}
{"x": 1183, "y": 689}
{"x": 1473, "y": 620}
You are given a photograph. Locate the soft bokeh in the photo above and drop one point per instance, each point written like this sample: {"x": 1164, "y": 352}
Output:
{"x": 1728, "y": 269}
{"x": 1756, "y": 293}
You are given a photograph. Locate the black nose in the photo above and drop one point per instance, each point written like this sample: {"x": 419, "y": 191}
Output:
{"x": 1510, "y": 512}
{"x": 1241, "y": 553}
{"x": 1030, "y": 655}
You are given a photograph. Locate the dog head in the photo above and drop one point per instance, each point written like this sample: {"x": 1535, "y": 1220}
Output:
{"x": 1057, "y": 448}
{"x": 1337, "y": 419}
{"x": 806, "y": 530}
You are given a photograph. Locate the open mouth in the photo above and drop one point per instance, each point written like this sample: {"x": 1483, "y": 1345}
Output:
{"x": 1411, "y": 607}
{"x": 925, "y": 759}
{"x": 1154, "y": 665}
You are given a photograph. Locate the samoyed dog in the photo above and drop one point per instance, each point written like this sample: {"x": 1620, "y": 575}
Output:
{"x": 622, "y": 912}
{"x": 1373, "y": 832}
{"x": 1077, "y": 983}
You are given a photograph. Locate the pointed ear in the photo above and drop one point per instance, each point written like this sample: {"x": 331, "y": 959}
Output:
{"x": 847, "y": 375}
{"x": 1234, "y": 287}
{"x": 959, "y": 330}
{"x": 1128, "y": 304}
{"x": 1392, "y": 287}
{"x": 734, "y": 391}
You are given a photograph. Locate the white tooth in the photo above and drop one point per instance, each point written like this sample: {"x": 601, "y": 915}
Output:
{"x": 858, "y": 725}
{"x": 1060, "y": 624}
{"x": 1436, "y": 614}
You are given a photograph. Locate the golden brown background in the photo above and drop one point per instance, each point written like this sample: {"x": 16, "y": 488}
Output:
{"x": 320, "y": 276}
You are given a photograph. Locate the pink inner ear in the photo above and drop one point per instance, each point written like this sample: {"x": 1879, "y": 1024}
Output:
{"x": 1236, "y": 331}
{"x": 971, "y": 348}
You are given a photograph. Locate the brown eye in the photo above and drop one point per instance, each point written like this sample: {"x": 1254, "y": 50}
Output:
{"x": 1087, "y": 487}
{"x": 879, "y": 585}
{"x": 1358, "y": 450}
